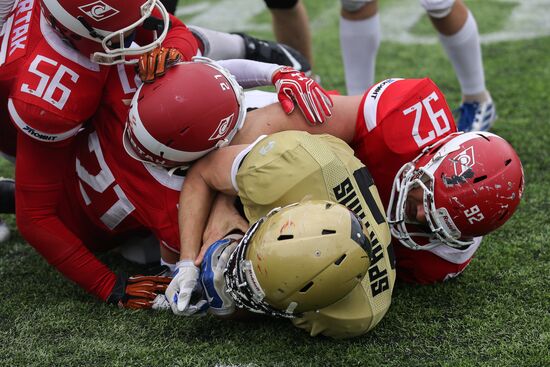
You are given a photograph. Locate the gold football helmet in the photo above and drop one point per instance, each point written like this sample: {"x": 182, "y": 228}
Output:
{"x": 299, "y": 258}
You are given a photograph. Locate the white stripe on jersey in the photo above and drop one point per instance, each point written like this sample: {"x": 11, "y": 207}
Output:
{"x": 6, "y": 30}
{"x": 37, "y": 134}
{"x": 238, "y": 160}
{"x": 374, "y": 95}
{"x": 85, "y": 196}
{"x": 62, "y": 48}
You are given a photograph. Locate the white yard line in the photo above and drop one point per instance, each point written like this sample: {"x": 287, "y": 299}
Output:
{"x": 528, "y": 19}
{"x": 226, "y": 15}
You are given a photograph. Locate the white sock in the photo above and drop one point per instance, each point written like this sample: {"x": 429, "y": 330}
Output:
{"x": 464, "y": 51}
{"x": 219, "y": 45}
{"x": 359, "y": 41}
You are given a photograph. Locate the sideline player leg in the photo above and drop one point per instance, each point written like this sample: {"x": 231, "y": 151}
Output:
{"x": 359, "y": 41}
{"x": 459, "y": 36}
{"x": 222, "y": 46}
{"x": 291, "y": 25}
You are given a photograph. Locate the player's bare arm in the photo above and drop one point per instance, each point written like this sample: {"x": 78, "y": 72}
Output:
{"x": 272, "y": 119}
{"x": 224, "y": 219}
{"x": 208, "y": 176}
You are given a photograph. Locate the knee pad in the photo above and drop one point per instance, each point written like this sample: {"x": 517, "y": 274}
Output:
{"x": 438, "y": 8}
{"x": 280, "y": 4}
{"x": 354, "y": 5}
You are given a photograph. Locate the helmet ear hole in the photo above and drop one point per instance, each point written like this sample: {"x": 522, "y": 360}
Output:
{"x": 508, "y": 161}
{"x": 339, "y": 261}
{"x": 285, "y": 237}
{"x": 480, "y": 178}
{"x": 484, "y": 137}
{"x": 327, "y": 231}
{"x": 306, "y": 287}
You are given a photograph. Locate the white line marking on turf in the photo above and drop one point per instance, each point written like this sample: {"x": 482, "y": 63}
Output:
{"x": 528, "y": 19}
{"x": 228, "y": 15}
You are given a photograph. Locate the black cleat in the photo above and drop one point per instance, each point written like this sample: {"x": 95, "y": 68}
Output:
{"x": 7, "y": 205}
{"x": 7, "y": 195}
{"x": 274, "y": 53}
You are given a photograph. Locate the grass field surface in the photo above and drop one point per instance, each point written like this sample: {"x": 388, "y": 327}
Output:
{"x": 495, "y": 314}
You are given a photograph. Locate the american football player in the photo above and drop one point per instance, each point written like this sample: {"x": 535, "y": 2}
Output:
{"x": 278, "y": 170}
{"x": 54, "y": 87}
{"x": 468, "y": 189}
{"x": 107, "y": 194}
{"x": 458, "y": 34}
{"x": 51, "y": 87}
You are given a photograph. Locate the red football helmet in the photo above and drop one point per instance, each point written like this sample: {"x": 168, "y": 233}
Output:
{"x": 104, "y": 29}
{"x": 196, "y": 107}
{"x": 472, "y": 184}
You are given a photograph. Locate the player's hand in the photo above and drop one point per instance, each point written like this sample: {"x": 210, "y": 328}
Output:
{"x": 224, "y": 218}
{"x": 294, "y": 87}
{"x": 181, "y": 289}
{"x": 212, "y": 279}
{"x": 140, "y": 292}
{"x": 154, "y": 63}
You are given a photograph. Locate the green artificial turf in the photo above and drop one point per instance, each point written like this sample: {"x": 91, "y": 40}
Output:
{"x": 495, "y": 314}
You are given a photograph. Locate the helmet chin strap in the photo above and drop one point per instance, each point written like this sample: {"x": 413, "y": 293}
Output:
{"x": 92, "y": 32}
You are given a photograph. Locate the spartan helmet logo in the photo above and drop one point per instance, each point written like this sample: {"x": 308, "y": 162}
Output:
{"x": 223, "y": 128}
{"x": 464, "y": 161}
{"x": 98, "y": 10}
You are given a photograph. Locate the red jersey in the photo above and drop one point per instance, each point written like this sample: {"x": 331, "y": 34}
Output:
{"x": 18, "y": 36}
{"x": 53, "y": 88}
{"x": 118, "y": 192}
{"x": 54, "y": 92}
{"x": 397, "y": 119}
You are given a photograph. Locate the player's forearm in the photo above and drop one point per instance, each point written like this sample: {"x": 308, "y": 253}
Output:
{"x": 250, "y": 73}
{"x": 39, "y": 191}
{"x": 194, "y": 207}
{"x": 60, "y": 247}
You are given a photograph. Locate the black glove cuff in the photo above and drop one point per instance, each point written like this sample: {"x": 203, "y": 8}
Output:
{"x": 119, "y": 290}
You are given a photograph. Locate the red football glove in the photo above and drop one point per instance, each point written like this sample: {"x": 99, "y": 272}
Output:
{"x": 154, "y": 63}
{"x": 294, "y": 87}
{"x": 140, "y": 292}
